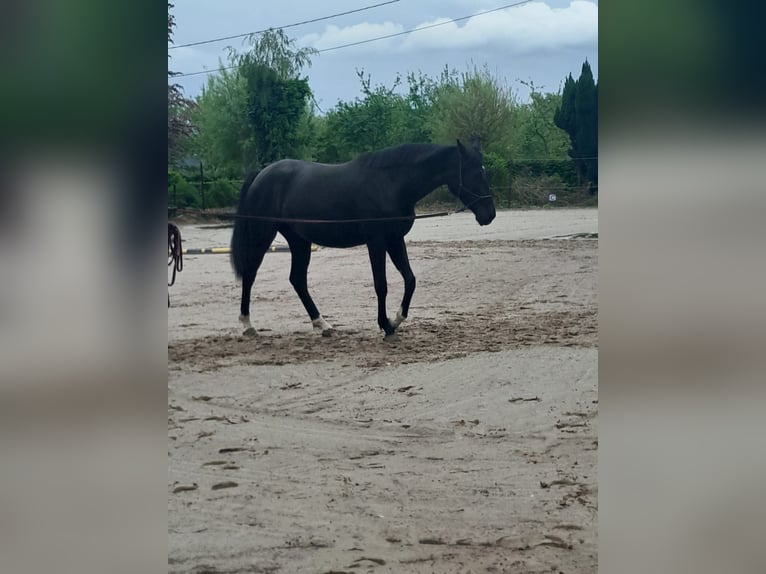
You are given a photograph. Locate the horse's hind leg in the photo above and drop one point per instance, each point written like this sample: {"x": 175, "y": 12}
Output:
{"x": 397, "y": 250}
{"x": 259, "y": 249}
{"x": 244, "y": 308}
{"x": 300, "y": 250}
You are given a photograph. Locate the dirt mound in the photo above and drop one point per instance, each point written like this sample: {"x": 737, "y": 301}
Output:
{"x": 422, "y": 340}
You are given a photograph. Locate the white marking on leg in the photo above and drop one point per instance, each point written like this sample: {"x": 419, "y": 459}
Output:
{"x": 321, "y": 325}
{"x": 249, "y": 330}
{"x": 399, "y": 319}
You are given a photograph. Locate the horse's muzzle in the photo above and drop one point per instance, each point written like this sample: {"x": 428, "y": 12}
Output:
{"x": 485, "y": 219}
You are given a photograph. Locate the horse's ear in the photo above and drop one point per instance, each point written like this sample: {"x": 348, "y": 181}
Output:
{"x": 460, "y": 145}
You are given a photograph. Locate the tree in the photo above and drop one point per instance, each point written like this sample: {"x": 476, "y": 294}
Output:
{"x": 586, "y": 111}
{"x": 255, "y": 112}
{"x": 278, "y": 99}
{"x": 474, "y": 105}
{"x": 179, "y": 107}
{"x": 274, "y": 49}
{"x": 536, "y": 135}
{"x": 276, "y": 107}
{"x": 578, "y": 117}
{"x": 382, "y": 117}
{"x": 565, "y": 114}
{"x": 224, "y": 139}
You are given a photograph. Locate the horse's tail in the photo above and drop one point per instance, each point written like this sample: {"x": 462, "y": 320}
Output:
{"x": 240, "y": 236}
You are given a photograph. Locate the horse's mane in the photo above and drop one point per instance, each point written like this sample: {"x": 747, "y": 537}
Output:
{"x": 405, "y": 154}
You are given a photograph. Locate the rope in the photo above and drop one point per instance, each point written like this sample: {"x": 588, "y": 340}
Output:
{"x": 366, "y": 220}
{"x": 175, "y": 253}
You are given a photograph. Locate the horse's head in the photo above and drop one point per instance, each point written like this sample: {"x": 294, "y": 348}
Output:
{"x": 472, "y": 186}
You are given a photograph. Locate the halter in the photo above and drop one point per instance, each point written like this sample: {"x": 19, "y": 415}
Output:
{"x": 461, "y": 187}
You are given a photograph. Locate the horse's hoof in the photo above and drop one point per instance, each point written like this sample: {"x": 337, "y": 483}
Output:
{"x": 328, "y": 332}
{"x": 392, "y": 338}
{"x": 250, "y": 332}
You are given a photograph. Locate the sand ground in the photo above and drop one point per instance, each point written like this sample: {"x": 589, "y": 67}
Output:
{"x": 470, "y": 445}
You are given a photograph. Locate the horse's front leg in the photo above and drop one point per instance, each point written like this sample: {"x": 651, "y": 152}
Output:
{"x": 377, "y": 251}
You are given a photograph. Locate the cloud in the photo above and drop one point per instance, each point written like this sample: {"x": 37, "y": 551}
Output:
{"x": 530, "y": 28}
{"x": 335, "y": 36}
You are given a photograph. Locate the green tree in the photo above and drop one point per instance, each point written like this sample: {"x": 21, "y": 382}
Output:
{"x": 274, "y": 49}
{"x": 565, "y": 117}
{"x": 277, "y": 108}
{"x": 420, "y": 100}
{"x": 474, "y": 105}
{"x": 255, "y": 112}
{"x": 278, "y": 99}
{"x": 382, "y": 117}
{"x": 224, "y": 140}
{"x": 586, "y": 111}
{"x": 578, "y": 117}
{"x": 535, "y": 132}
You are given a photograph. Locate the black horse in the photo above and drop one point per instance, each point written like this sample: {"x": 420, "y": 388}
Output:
{"x": 369, "y": 200}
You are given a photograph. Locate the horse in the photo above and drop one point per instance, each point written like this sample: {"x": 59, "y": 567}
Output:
{"x": 368, "y": 200}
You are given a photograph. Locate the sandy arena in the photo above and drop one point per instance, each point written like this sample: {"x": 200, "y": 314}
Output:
{"x": 470, "y": 445}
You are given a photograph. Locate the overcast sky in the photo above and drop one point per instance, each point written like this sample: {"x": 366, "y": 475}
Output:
{"x": 541, "y": 41}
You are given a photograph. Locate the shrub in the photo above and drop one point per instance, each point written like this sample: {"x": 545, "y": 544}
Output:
{"x": 184, "y": 195}
{"x": 221, "y": 193}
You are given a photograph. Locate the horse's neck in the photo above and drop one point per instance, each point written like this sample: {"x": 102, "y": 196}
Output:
{"x": 434, "y": 171}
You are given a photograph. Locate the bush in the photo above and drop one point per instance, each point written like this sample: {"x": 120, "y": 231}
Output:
{"x": 497, "y": 174}
{"x": 564, "y": 169}
{"x": 185, "y": 194}
{"x": 182, "y": 194}
{"x": 221, "y": 193}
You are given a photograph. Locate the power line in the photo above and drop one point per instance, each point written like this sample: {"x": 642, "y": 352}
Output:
{"x": 221, "y": 39}
{"x": 418, "y": 29}
{"x": 410, "y": 31}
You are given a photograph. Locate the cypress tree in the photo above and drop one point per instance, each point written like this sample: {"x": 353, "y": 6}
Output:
{"x": 578, "y": 117}
{"x": 564, "y": 117}
{"x": 586, "y": 113}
